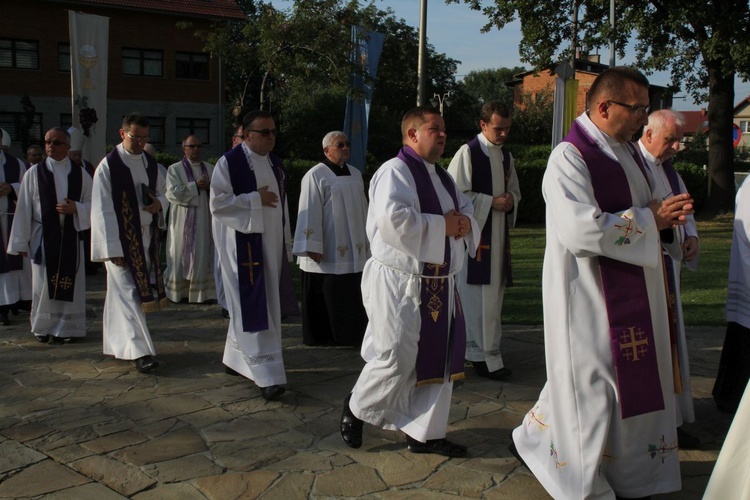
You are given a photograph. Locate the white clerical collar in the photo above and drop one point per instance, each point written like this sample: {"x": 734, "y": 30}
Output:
{"x": 652, "y": 160}
{"x": 57, "y": 163}
{"x": 430, "y": 166}
{"x": 128, "y": 154}
{"x": 486, "y": 142}
{"x": 251, "y": 152}
{"x": 195, "y": 163}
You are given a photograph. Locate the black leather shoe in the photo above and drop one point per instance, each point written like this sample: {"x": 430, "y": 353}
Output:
{"x": 14, "y": 309}
{"x": 42, "y": 338}
{"x": 231, "y": 372}
{"x": 512, "y": 448}
{"x": 351, "y": 426}
{"x": 687, "y": 441}
{"x": 224, "y": 313}
{"x": 483, "y": 371}
{"x": 24, "y": 305}
{"x": 4, "y": 320}
{"x": 56, "y": 340}
{"x": 437, "y": 446}
{"x": 146, "y": 364}
{"x": 272, "y": 392}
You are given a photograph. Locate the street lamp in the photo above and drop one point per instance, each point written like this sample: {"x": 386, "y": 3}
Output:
{"x": 441, "y": 100}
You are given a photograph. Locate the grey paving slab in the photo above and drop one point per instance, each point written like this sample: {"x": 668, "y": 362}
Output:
{"x": 99, "y": 429}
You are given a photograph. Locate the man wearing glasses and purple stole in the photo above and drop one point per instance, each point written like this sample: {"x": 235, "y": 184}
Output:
{"x": 251, "y": 227}
{"x": 604, "y": 423}
{"x": 127, "y": 214}
{"x": 420, "y": 225}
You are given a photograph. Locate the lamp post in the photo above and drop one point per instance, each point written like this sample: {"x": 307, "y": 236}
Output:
{"x": 438, "y": 101}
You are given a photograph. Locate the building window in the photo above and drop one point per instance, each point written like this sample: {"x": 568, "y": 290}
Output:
{"x": 191, "y": 65}
{"x": 745, "y": 126}
{"x": 156, "y": 130}
{"x": 19, "y": 54}
{"x": 199, "y": 127}
{"x": 63, "y": 57}
{"x": 14, "y": 123}
{"x": 66, "y": 120}
{"x": 142, "y": 62}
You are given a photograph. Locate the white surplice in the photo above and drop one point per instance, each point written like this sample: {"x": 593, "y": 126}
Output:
{"x": 14, "y": 285}
{"x": 573, "y": 438}
{"x": 51, "y": 317}
{"x": 255, "y": 355}
{"x": 402, "y": 240}
{"x": 483, "y": 304}
{"x": 662, "y": 190}
{"x": 126, "y": 335}
{"x": 184, "y": 195}
{"x": 331, "y": 221}
{"x": 738, "y": 288}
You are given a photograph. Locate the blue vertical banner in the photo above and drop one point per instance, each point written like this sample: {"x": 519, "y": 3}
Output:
{"x": 366, "y": 49}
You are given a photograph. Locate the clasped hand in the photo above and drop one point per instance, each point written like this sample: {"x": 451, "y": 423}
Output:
{"x": 457, "y": 225}
{"x": 672, "y": 211}
{"x": 267, "y": 198}
{"x": 155, "y": 205}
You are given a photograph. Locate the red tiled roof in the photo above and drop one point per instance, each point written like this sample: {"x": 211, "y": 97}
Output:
{"x": 694, "y": 121}
{"x": 742, "y": 105}
{"x": 221, "y": 9}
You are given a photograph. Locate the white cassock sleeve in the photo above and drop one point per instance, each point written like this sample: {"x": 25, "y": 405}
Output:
{"x": 308, "y": 235}
{"x": 20, "y": 234}
{"x": 513, "y": 188}
{"x": 82, "y": 217}
{"x": 179, "y": 190}
{"x": 105, "y": 231}
{"x": 242, "y": 212}
{"x": 460, "y": 169}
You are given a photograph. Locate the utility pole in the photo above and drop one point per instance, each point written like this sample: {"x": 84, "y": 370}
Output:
{"x": 422, "y": 65}
{"x": 612, "y": 36}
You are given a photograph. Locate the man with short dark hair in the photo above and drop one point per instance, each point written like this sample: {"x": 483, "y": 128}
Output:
{"x": 419, "y": 225}
{"x": 33, "y": 155}
{"x": 604, "y": 423}
{"x": 53, "y": 209}
{"x": 190, "y": 249}
{"x": 127, "y": 215}
{"x": 485, "y": 172}
{"x": 251, "y": 218}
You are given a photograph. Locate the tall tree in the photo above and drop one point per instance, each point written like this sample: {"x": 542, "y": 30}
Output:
{"x": 702, "y": 44}
{"x": 477, "y": 88}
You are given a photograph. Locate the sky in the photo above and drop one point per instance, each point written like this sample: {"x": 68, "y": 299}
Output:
{"x": 454, "y": 29}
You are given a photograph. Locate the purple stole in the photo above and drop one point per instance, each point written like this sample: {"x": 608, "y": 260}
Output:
{"x": 191, "y": 224}
{"x": 479, "y": 267}
{"x": 253, "y": 300}
{"x": 625, "y": 293}
{"x": 12, "y": 170}
{"x": 89, "y": 168}
{"x": 60, "y": 244}
{"x": 128, "y": 216}
{"x": 442, "y": 339}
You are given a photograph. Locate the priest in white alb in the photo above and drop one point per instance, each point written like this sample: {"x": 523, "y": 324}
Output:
{"x": 127, "y": 216}
{"x": 604, "y": 424}
{"x": 251, "y": 227}
{"x": 52, "y": 210}
{"x": 331, "y": 247}
{"x": 420, "y": 225}
{"x": 190, "y": 247}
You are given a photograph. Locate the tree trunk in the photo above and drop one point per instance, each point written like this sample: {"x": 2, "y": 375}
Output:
{"x": 720, "y": 149}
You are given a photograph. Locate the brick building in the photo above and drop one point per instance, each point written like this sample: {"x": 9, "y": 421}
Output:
{"x": 155, "y": 67}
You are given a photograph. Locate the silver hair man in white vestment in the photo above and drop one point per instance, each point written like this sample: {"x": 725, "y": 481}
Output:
{"x": 659, "y": 143}
{"x": 408, "y": 242}
{"x": 255, "y": 354}
{"x": 126, "y": 334}
{"x": 190, "y": 246}
{"x": 54, "y": 319}
{"x": 15, "y": 284}
{"x": 332, "y": 247}
{"x": 593, "y": 433}
{"x": 492, "y": 185}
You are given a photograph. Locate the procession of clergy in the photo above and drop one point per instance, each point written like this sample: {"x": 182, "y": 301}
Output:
{"x": 415, "y": 278}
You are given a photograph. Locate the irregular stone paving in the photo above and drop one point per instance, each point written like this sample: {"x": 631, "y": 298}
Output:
{"x": 75, "y": 424}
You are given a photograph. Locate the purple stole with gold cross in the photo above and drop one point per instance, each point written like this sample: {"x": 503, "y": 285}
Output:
{"x": 625, "y": 293}
{"x": 128, "y": 214}
{"x": 479, "y": 267}
{"x": 60, "y": 243}
{"x": 12, "y": 171}
{"x": 442, "y": 339}
{"x": 252, "y": 281}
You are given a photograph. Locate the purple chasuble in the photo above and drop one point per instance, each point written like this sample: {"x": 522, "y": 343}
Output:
{"x": 479, "y": 267}
{"x": 129, "y": 223}
{"x": 191, "y": 224}
{"x": 625, "y": 293}
{"x": 12, "y": 170}
{"x": 60, "y": 243}
{"x": 442, "y": 339}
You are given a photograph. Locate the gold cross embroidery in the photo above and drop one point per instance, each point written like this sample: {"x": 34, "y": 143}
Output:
{"x": 249, "y": 264}
{"x": 63, "y": 283}
{"x": 342, "y": 249}
{"x": 360, "y": 246}
{"x": 308, "y": 233}
{"x": 634, "y": 343}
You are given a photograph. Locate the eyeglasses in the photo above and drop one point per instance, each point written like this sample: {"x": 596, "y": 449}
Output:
{"x": 239, "y": 136}
{"x": 137, "y": 138}
{"x": 638, "y": 110}
{"x": 54, "y": 142}
{"x": 342, "y": 144}
{"x": 194, "y": 146}
{"x": 265, "y": 132}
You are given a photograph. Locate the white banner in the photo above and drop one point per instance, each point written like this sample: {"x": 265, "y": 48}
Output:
{"x": 89, "y": 49}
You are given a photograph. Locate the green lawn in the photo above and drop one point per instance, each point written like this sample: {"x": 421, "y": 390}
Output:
{"x": 703, "y": 291}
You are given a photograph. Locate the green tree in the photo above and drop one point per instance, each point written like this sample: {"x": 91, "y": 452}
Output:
{"x": 702, "y": 44}
{"x": 477, "y": 88}
{"x": 532, "y": 119}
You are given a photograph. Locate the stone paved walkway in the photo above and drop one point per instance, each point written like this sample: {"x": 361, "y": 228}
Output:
{"x": 75, "y": 424}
